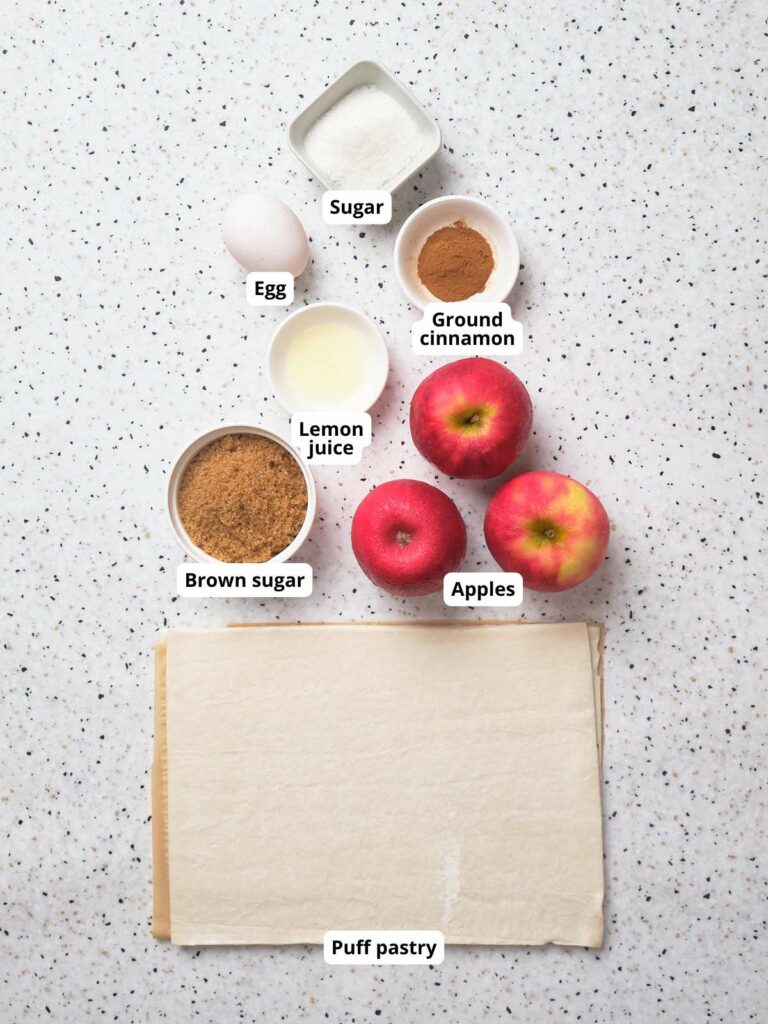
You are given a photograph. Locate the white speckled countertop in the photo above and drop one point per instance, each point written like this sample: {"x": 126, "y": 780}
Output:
{"x": 624, "y": 142}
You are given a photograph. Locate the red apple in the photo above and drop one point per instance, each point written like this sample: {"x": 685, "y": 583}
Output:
{"x": 549, "y": 528}
{"x": 471, "y": 418}
{"x": 407, "y": 535}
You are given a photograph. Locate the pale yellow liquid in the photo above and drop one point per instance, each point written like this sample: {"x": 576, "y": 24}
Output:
{"x": 326, "y": 363}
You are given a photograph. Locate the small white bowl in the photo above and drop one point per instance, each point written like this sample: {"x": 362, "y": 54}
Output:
{"x": 376, "y": 353}
{"x": 365, "y": 72}
{"x": 191, "y": 450}
{"x": 440, "y": 213}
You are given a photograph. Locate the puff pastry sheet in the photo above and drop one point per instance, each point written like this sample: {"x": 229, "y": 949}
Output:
{"x": 382, "y": 776}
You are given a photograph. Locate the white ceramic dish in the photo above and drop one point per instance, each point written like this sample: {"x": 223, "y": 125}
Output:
{"x": 439, "y": 213}
{"x": 365, "y": 72}
{"x": 376, "y": 356}
{"x": 189, "y": 453}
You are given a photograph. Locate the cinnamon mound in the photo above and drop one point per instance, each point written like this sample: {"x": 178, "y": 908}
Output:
{"x": 455, "y": 262}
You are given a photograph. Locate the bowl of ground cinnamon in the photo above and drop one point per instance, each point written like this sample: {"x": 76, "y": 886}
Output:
{"x": 240, "y": 493}
{"x": 456, "y": 249}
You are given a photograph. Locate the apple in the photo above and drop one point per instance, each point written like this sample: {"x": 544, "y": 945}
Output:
{"x": 471, "y": 418}
{"x": 549, "y": 528}
{"x": 407, "y": 535}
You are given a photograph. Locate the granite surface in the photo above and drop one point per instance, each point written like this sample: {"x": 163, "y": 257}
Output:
{"x": 624, "y": 141}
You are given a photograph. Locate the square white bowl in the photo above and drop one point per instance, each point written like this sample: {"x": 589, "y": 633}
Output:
{"x": 364, "y": 72}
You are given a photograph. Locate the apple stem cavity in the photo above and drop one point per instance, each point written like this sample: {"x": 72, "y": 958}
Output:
{"x": 544, "y": 531}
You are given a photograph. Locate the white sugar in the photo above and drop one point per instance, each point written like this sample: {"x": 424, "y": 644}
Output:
{"x": 365, "y": 140}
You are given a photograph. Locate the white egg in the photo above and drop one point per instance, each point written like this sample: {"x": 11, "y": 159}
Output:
{"x": 263, "y": 233}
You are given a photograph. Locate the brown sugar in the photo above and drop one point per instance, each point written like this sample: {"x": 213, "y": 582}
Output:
{"x": 242, "y": 498}
{"x": 455, "y": 262}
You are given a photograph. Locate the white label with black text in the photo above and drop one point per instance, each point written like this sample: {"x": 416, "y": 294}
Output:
{"x": 269, "y": 288}
{"x": 246, "y": 579}
{"x": 357, "y": 206}
{"x": 473, "y": 327}
{"x": 483, "y": 589}
{"x": 331, "y": 439}
{"x": 384, "y": 947}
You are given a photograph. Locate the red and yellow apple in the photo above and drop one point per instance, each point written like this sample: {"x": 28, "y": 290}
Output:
{"x": 549, "y": 528}
{"x": 407, "y": 535}
{"x": 471, "y": 418}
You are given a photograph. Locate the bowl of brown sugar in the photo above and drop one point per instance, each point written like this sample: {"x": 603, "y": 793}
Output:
{"x": 240, "y": 493}
{"x": 456, "y": 249}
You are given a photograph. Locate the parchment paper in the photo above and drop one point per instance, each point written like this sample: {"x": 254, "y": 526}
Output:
{"x": 380, "y": 776}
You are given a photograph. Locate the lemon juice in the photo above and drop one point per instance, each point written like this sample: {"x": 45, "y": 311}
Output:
{"x": 325, "y": 363}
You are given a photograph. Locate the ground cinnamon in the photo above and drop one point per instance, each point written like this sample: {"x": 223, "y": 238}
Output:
{"x": 243, "y": 498}
{"x": 455, "y": 262}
